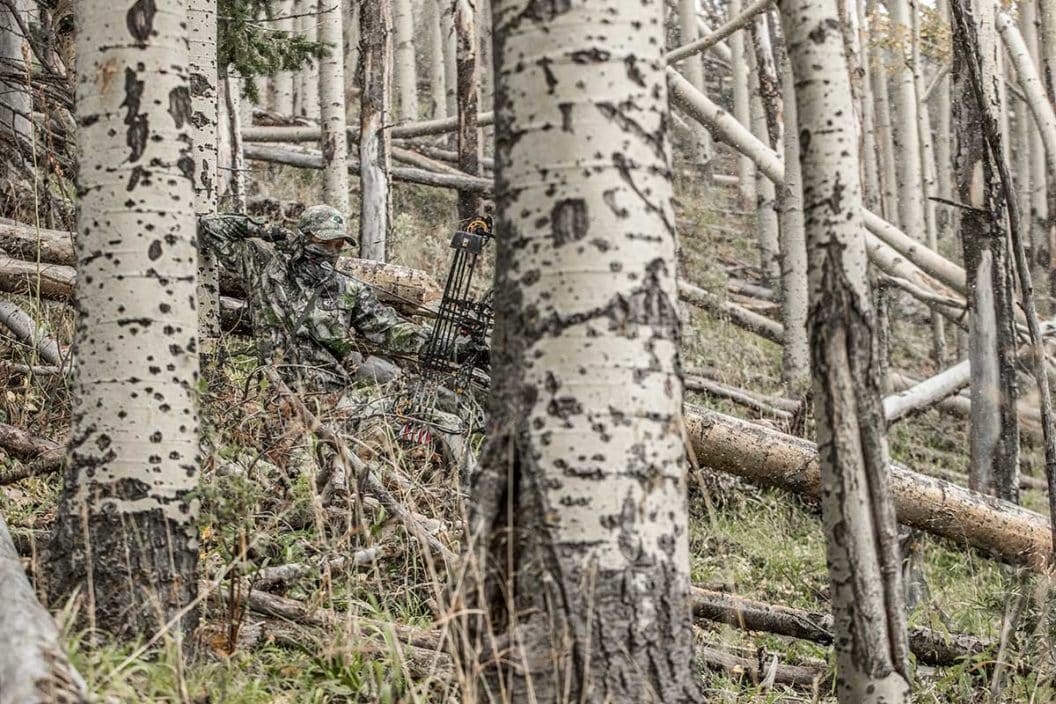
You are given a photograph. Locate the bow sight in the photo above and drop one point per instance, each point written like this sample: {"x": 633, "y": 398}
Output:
{"x": 448, "y": 364}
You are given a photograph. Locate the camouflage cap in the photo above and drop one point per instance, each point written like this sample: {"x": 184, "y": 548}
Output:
{"x": 324, "y": 223}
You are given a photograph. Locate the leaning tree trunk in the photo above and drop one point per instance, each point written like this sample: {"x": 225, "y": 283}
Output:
{"x": 15, "y": 101}
{"x": 125, "y": 535}
{"x": 580, "y": 507}
{"x": 994, "y": 438}
{"x": 405, "y": 74}
{"x": 375, "y": 218}
{"x": 469, "y": 146}
{"x": 201, "y": 24}
{"x": 861, "y": 533}
{"x": 334, "y": 140}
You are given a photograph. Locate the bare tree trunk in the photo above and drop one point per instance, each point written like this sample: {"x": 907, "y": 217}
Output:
{"x": 15, "y": 100}
{"x": 447, "y": 16}
{"x": 34, "y": 668}
{"x": 437, "y": 77}
{"x": 469, "y": 146}
{"x": 741, "y": 110}
{"x": 351, "y": 53}
{"x": 884, "y": 132}
{"x": 406, "y": 73}
{"x": 871, "y": 155}
{"x": 795, "y": 365}
{"x": 375, "y": 219}
{"x": 1039, "y": 177}
{"x": 125, "y": 534}
{"x": 1024, "y": 124}
{"x": 592, "y": 585}
{"x": 944, "y": 217}
{"x": 766, "y": 222}
{"x": 201, "y": 24}
{"x": 857, "y": 510}
{"x": 994, "y": 437}
{"x": 487, "y": 60}
{"x": 233, "y": 98}
{"x": 308, "y": 77}
{"x": 331, "y": 88}
{"x": 701, "y": 151}
{"x": 282, "y": 82}
{"x": 905, "y": 126}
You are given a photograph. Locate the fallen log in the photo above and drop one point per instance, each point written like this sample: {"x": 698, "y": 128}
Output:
{"x": 931, "y": 647}
{"x": 928, "y": 392}
{"x": 740, "y": 316}
{"x": 30, "y": 243}
{"x": 25, "y": 329}
{"x": 34, "y": 668}
{"x": 22, "y": 444}
{"x": 275, "y": 575}
{"x": 312, "y": 159}
{"x": 770, "y": 458}
{"x": 732, "y": 393}
{"x": 759, "y": 672}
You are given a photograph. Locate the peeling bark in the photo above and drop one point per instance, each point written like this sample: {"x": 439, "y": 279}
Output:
{"x": 579, "y": 525}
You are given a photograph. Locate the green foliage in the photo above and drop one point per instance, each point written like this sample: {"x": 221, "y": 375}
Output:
{"x": 250, "y": 43}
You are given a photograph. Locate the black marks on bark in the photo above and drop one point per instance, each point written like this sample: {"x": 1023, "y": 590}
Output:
{"x": 140, "y": 19}
{"x": 633, "y": 72}
{"x": 657, "y": 140}
{"x": 138, "y": 125}
{"x": 818, "y": 34}
{"x": 593, "y": 55}
{"x": 609, "y": 196}
{"x": 154, "y": 251}
{"x": 180, "y": 105}
{"x": 186, "y": 166}
{"x": 566, "y": 116}
{"x": 545, "y": 10}
{"x": 569, "y": 221}
{"x": 564, "y": 407}
{"x": 548, "y": 74}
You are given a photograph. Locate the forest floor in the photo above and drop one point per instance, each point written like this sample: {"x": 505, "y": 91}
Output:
{"x": 260, "y": 509}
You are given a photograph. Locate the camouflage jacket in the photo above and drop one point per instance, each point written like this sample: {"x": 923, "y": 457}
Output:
{"x": 306, "y": 314}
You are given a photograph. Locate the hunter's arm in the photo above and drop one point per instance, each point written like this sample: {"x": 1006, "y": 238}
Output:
{"x": 226, "y": 236}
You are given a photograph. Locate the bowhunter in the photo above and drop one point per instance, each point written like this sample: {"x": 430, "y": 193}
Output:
{"x": 308, "y": 317}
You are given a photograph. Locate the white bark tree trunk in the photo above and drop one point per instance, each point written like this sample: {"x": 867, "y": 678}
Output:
{"x": 350, "y": 29}
{"x": 693, "y": 67}
{"x": 741, "y": 109}
{"x": 469, "y": 143}
{"x": 447, "y": 16}
{"x": 944, "y": 217}
{"x": 795, "y": 366}
{"x": 234, "y": 101}
{"x": 307, "y": 95}
{"x": 15, "y": 101}
{"x": 281, "y": 99}
{"x": 406, "y": 73}
{"x": 587, "y": 394}
{"x": 375, "y": 215}
{"x": 126, "y": 533}
{"x": 202, "y": 27}
{"x": 905, "y": 130}
{"x": 1039, "y": 176}
{"x": 334, "y": 142}
{"x": 857, "y": 510}
{"x": 766, "y": 222}
{"x": 884, "y": 130}
{"x": 870, "y": 152}
{"x": 437, "y": 76}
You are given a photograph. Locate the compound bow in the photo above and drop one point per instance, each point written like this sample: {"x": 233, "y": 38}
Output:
{"x": 457, "y": 348}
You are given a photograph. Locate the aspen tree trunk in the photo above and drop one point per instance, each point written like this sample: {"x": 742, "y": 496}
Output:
{"x": 858, "y": 514}
{"x": 884, "y": 130}
{"x": 233, "y": 99}
{"x": 1039, "y": 176}
{"x": 375, "y": 219}
{"x": 447, "y": 15}
{"x": 795, "y": 361}
{"x": 437, "y": 77}
{"x": 1024, "y": 123}
{"x": 15, "y": 101}
{"x": 766, "y": 222}
{"x": 739, "y": 67}
{"x": 944, "y": 217}
{"x": 282, "y": 82}
{"x": 126, "y": 534}
{"x": 994, "y": 437}
{"x": 334, "y": 142}
{"x": 693, "y": 68}
{"x": 469, "y": 146}
{"x": 905, "y": 126}
{"x": 201, "y": 25}
{"x": 871, "y": 156}
{"x": 927, "y": 172}
{"x": 487, "y": 61}
{"x": 1047, "y": 64}
{"x": 406, "y": 74}
{"x": 587, "y": 553}
{"x": 351, "y": 51}
{"x": 308, "y": 77}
